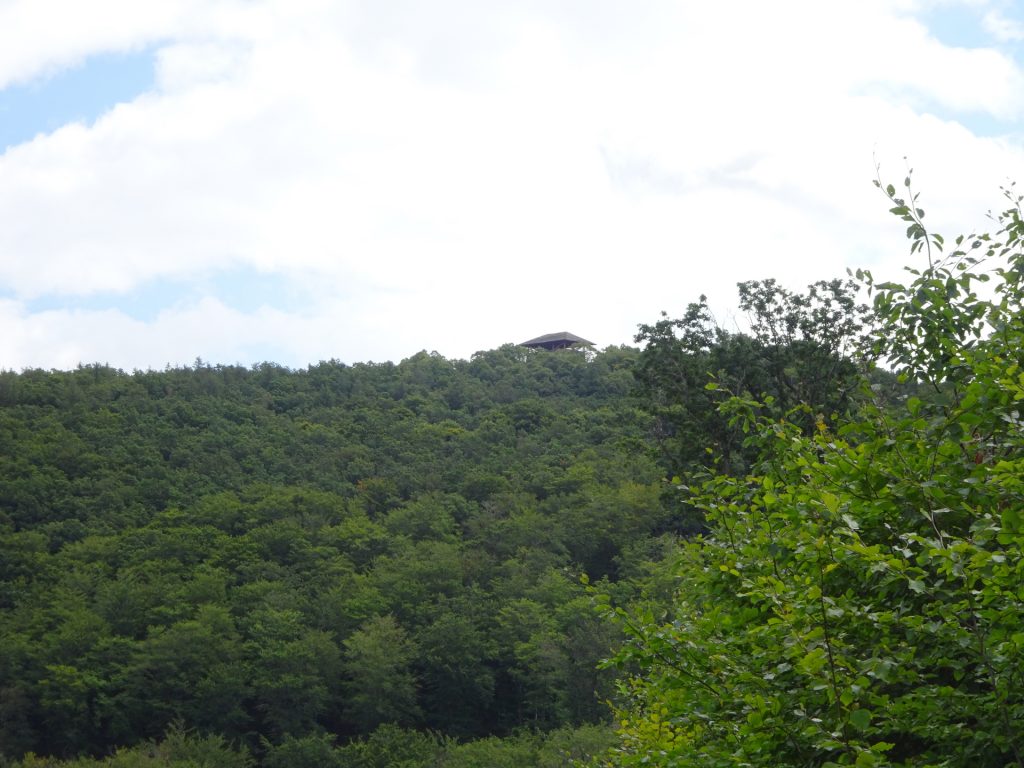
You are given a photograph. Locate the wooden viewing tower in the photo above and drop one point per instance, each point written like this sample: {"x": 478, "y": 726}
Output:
{"x": 552, "y": 341}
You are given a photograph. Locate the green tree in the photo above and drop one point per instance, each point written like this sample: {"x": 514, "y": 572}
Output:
{"x": 391, "y": 746}
{"x": 294, "y": 671}
{"x": 189, "y": 672}
{"x": 458, "y": 680}
{"x": 857, "y": 599}
{"x": 797, "y": 353}
{"x": 178, "y": 749}
{"x": 312, "y": 751}
{"x": 380, "y": 683}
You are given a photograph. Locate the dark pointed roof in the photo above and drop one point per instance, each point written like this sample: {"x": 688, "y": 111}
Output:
{"x": 557, "y": 341}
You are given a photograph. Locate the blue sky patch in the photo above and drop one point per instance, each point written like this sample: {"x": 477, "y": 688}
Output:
{"x": 962, "y": 26}
{"x": 246, "y": 290}
{"x": 242, "y": 289}
{"x": 82, "y": 93}
{"x": 957, "y": 26}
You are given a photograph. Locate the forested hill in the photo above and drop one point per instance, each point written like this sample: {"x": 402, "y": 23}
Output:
{"x": 283, "y": 560}
{"x": 425, "y": 564}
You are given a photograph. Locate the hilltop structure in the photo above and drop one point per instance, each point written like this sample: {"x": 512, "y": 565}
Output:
{"x": 561, "y": 340}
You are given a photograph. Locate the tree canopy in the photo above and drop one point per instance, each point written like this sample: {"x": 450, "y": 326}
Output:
{"x": 857, "y": 597}
{"x": 273, "y": 557}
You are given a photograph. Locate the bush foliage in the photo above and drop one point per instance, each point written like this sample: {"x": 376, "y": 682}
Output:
{"x": 858, "y": 598}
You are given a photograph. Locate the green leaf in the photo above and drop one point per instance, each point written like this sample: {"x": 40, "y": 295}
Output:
{"x": 830, "y": 500}
{"x": 860, "y": 719}
{"x": 812, "y": 662}
{"x": 1011, "y": 519}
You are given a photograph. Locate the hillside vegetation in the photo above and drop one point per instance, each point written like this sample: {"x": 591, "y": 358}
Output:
{"x": 268, "y": 556}
{"x": 724, "y": 549}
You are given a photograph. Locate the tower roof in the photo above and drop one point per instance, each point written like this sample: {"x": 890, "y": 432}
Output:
{"x": 558, "y": 340}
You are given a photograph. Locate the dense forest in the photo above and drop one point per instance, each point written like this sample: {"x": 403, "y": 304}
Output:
{"x": 315, "y": 561}
{"x": 796, "y": 545}
{"x": 271, "y": 555}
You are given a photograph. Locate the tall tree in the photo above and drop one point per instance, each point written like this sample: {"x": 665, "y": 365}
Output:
{"x": 857, "y": 600}
{"x": 797, "y": 354}
{"x": 381, "y": 684}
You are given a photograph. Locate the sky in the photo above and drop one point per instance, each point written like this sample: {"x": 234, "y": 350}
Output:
{"x": 290, "y": 181}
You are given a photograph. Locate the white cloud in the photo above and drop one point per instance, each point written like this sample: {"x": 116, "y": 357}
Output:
{"x": 1002, "y": 28}
{"x": 459, "y": 175}
{"x": 40, "y": 37}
